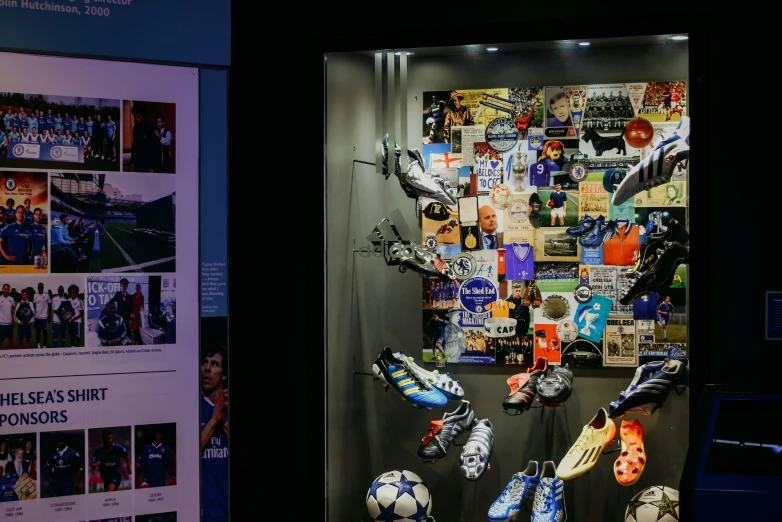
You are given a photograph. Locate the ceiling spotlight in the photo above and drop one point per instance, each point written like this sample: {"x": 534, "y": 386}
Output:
{"x": 399, "y": 53}
{"x": 491, "y": 49}
{"x": 680, "y": 37}
{"x": 583, "y": 44}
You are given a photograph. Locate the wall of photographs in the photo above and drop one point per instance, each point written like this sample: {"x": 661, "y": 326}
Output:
{"x": 540, "y": 172}
{"x": 99, "y": 345}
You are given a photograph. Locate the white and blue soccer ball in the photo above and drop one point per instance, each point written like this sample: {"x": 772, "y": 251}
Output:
{"x": 399, "y": 496}
{"x": 654, "y": 504}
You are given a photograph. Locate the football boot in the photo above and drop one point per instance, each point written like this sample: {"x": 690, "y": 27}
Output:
{"x": 584, "y": 226}
{"x": 532, "y": 296}
{"x": 549, "y": 503}
{"x": 521, "y": 487}
{"x": 441, "y": 433}
{"x": 478, "y": 449}
{"x": 520, "y": 401}
{"x": 443, "y": 382}
{"x": 675, "y": 232}
{"x": 601, "y": 232}
{"x": 398, "y": 374}
{"x": 632, "y": 460}
{"x": 651, "y": 384}
{"x": 556, "y": 387}
{"x": 653, "y": 170}
{"x": 582, "y": 456}
{"x": 659, "y": 276}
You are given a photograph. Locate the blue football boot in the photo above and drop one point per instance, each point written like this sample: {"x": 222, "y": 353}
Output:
{"x": 442, "y": 433}
{"x": 521, "y": 487}
{"x": 398, "y": 374}
{"x": 651, "y": 384}
{"x": 549, "y": 503}
{"x": 602, "y": 231}
{"x": 583, "y": 226}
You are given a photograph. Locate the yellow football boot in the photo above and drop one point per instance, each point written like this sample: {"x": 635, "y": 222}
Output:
{"x": 594, "y": 438}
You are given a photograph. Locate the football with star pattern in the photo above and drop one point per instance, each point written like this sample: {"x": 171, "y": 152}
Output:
{"x": 654, "y": 504}
{"x": 399, "y": 496}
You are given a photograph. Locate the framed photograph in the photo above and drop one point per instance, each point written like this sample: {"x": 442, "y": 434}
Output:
{"x": 553, "y": 244}
{"x": 620, "y": 347}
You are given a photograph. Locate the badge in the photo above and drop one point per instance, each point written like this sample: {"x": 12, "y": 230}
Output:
{"x": 431, "y": 241}
{"x": 477, "y": 294}
{"x": 612, "y": 178}
{"x": 582, "y": 294}
{"x": 555, "y": 307}
{"x": 502, "y": 134}
{"x": 578, "y": 171}
{"x": 534, "y": 142}
{"x": 518, "y": 211}
{"x": 463, "y": 265}
{"x": 500, "y": 196}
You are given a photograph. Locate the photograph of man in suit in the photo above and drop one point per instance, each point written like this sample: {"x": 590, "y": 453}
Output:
{"x": 487, "y": 217}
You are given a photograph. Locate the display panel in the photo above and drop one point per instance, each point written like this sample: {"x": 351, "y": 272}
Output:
{"x": 98, "y": 381}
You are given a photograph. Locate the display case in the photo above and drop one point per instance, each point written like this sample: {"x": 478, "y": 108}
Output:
{"x": 507, "y": 232}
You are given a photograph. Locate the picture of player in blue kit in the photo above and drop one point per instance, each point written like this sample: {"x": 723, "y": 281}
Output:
{"x": 156, "y": 463}
{"x": 664, "y": 315}
{"x": 63, "y": 465}
{"x": 214, "y": 432}
{"x": 111, "y": 461}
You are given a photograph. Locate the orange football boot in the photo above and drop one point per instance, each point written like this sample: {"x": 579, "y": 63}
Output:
{"x": 518, "y": 381}
{"x": 632, "y": 460}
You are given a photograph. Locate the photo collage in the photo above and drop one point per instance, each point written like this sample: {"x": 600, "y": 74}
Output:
{"x": 105, "y": 460}
{"x": 567, "y": 232}
{"x": 88, "y": 231}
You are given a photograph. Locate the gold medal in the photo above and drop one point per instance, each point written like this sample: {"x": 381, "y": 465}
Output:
{"x": 470, "y": 240}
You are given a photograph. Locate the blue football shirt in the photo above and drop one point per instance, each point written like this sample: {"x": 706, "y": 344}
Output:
{"x": 110, "y": 461}
{"x": 7, "y": 483}
{"x": 37, "y": 238}
{"x": 57, "y": 124}
{"x": 110, "y": 129}
{"x": 155, "y": 460}
{"x": 214, "y": 470}
{"x": 65, "y": 466}
{"x": 16, "y": 242}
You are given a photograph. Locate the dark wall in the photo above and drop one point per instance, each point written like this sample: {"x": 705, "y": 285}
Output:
{"x": 726, "y": 314}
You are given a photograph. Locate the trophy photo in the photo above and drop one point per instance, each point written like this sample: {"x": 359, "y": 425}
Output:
{"x": 520, "y": 170}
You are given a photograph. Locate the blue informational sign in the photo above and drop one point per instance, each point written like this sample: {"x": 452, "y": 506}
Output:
{"x": 47, "y": 152}
{"x": 214, "y": 194}
{"x": 174, "y": 31}
{"x": 476, "y": 294}
{"x": 774, "y": 316}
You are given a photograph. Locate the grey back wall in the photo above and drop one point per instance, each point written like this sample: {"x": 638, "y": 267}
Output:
{"x": 371, "y": 306}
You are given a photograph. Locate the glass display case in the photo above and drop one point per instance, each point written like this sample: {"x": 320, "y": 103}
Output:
{"x": 507, "y": 232}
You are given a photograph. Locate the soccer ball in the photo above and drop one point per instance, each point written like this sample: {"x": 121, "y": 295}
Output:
{"x": 639, "y": 132}
{"x": 567, "y": 331}
{"x": 399, "y": 495}
{"x": 654, "y": 504}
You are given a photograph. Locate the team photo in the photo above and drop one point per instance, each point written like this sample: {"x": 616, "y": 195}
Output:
{"x": 115, "y": 223}
{"x": 24, "y": 223}
{"x": 18, "y": 467}
{"x": 110, "y": 461}
{"x": 149, "y": 137}
{"x": 43, "y": 131}
{"x": 132, "y": 309}
{"x": 155, "y": 451}
{"x": 62, "y": 463}
{"x": 42, "y": 312}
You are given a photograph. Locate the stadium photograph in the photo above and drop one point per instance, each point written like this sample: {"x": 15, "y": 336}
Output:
{"x": 48, "y": 312}
{"x": 43, "y": 131}
{"x": 24, "y": 222}
{"x": 18, "y": 467}
{"x": 132, "y": 309}
{"x": 149, "y": 137}
{"x": 115, "y": 223}
{"x": 62, "y": 463}
{"x": 110, "y": 462}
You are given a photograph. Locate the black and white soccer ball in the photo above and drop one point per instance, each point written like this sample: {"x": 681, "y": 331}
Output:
{"x": 399, "y": 495}
{"x": 654, "y": 504}
{"x": 567, "y": 331}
